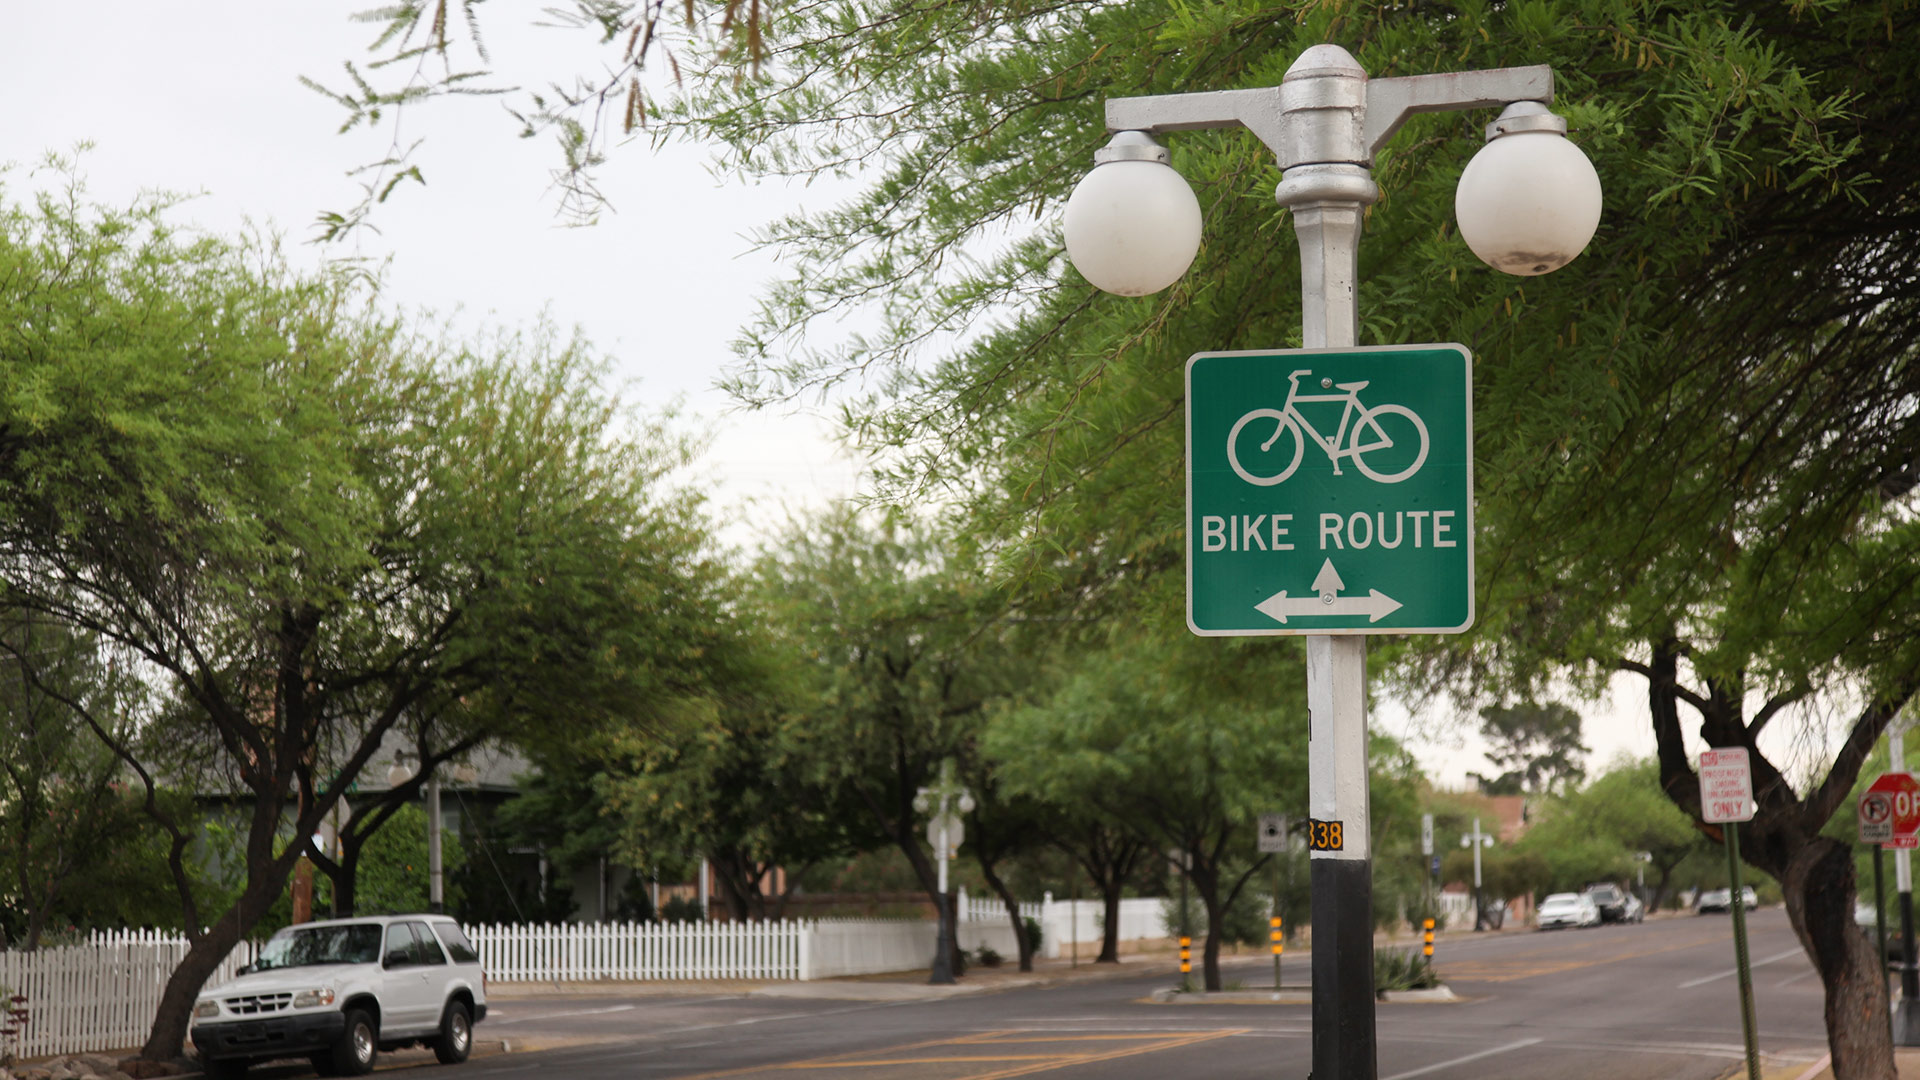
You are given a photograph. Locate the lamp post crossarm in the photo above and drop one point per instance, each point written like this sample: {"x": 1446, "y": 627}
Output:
{"x": 1258, "y": 110}
{"x": 1274, "y": 114}
{"x": 1391, "y": 101}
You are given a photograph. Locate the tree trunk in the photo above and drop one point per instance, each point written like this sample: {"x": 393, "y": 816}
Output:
{"x": 168, "y": 1037}
{"x": 1013, "y": 913}
{"x": 1820, "y": 895}
{"x": 345, "y": 883}
{"x": 1207, "y": 884}
{"x": 1110, "y": 929}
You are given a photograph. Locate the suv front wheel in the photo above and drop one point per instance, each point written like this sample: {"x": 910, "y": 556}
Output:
{"x": 455, "y": 1041}
{"x": 353, "y": 1054}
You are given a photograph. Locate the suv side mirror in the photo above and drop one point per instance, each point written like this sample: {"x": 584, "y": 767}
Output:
{"x": 398, "y": 958}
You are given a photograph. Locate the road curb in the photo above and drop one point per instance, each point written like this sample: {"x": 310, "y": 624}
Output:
{"x": 1294, "y": 995}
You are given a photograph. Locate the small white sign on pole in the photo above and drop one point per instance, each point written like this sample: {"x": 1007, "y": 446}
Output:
{"x": 1273, "y": 833}
{"x": 1726, "y": 785}
{"x": 1426, "y": 834}
{"x": 956, "y": 833}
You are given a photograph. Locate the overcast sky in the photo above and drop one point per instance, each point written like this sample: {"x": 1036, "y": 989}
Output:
{"x": 204, "y": 98}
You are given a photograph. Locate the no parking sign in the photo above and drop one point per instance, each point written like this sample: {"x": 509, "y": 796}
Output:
{"x": 1894, "y": 799}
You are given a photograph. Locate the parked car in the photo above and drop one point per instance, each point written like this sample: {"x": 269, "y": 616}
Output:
{"x": 1863, "y": 917}
{"x": 340, "y": 991}
{"x": 1568, "y": 909}
{"x": 1615, "y": 903}
{"x": 1722, "y": 900}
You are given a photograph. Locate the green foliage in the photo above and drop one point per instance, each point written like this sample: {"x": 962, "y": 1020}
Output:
{"x": 1596, "y": 832}
{"x": 1402, "y": 969}
{"x": 273, "y": 492}
{"x": 393, "y": 867}
{"x": 1538, "y": 746}
{"x": 682, "y": 909}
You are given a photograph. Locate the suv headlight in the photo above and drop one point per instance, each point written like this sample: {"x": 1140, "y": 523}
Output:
{"x": 307, "y": 999}
{"x": 206, "y": 1009}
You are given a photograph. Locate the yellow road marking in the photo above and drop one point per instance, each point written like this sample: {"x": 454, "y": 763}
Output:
{"x": 1510, "y": 969}
{"x": 1017, "y": 1064}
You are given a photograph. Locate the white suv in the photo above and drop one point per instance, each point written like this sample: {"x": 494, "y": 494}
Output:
{"x": 340, "y": 991}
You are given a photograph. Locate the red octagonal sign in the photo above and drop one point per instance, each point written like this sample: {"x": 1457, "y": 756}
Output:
{"x": 1903, "y": 791}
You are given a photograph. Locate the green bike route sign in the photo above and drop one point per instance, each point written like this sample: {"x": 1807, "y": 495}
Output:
{"x": 1330, "y": 491}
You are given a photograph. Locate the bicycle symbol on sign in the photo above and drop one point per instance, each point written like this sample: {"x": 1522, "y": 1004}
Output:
{"x": 1363, "y": 430}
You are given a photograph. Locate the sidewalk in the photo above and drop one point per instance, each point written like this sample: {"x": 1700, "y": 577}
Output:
{"x": 1906, "y": 1062}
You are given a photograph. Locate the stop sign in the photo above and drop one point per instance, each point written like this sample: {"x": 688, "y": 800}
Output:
{"x": 1904, "y": 793}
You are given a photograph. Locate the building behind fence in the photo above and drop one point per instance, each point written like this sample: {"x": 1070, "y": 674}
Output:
{"x": 102, "y": 995}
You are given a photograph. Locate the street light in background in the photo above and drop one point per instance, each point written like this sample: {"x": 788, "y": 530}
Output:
{"x": 1477, "y": 840}
{"x": 944, "y": 833}
{"x": 1526, "y": 206}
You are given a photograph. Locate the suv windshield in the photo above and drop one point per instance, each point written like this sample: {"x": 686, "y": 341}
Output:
{"x": 299, "y": 946}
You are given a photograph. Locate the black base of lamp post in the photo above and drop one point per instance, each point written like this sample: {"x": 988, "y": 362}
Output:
{"x": 943, "y": 949}
{"x": 1343, "y": 1036}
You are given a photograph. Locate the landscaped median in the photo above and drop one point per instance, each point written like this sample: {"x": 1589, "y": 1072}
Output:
{"x": 1290, "y": 995}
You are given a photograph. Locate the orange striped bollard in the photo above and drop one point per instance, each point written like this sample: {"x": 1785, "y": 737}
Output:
{"x": 1279, "y": 946}
{"x": 1428, "y": 947}
{"x": 1186, "y": 955}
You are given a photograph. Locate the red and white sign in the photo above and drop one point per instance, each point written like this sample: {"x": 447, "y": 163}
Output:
{"x": 1726, "y": 785}
{"x": 1902, "y": 792}
{"x": 1876, "y": 817}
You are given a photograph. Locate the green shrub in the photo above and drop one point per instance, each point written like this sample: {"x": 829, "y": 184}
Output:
{"x": 986, "y": 956}
{"x": 1402, "y": 969}
{"x": 1034, "y": 935}
{"x": 682, "y": 909}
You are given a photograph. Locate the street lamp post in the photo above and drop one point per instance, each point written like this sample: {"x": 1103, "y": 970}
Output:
{"x": 944, "y": 831}
{"x": 1477, "y": 840}
{"x": 1527, "y": 205}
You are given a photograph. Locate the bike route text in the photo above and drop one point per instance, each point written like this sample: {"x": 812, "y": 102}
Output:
{"x": 1337, "y": 532}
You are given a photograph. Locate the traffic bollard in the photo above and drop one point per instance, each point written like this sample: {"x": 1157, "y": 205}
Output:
{"x": 1427, "y": 947}
{"x": 1279, "y": 946}
{"x": 1186, "y": 955}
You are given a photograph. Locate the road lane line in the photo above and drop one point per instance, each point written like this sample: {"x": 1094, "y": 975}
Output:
{"x": 1436, "y": 1067}
{"x": 573, "y": 1012}
{"x": 1775, "y": 958}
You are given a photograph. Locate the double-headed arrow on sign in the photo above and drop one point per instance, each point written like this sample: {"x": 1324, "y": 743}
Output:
{"x": 1376, "y": 605}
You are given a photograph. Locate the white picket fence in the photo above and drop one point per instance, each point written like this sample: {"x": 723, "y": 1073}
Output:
{"x": 584, "y": 952}
{"x": 993, "y": 909}
{"x": 1067, "y": 924}
{"x": 97, "y": 996}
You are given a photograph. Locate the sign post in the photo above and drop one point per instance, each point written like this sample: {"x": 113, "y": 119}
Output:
{"x": 1876, "y": 829}
{"x": 1726, "y": 798}
{"x": 1895, "y": 796}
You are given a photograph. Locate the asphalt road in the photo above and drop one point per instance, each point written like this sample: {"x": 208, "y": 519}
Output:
{"x": 1654, "y": 1000}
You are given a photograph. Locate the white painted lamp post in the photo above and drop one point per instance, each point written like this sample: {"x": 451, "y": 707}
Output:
{"x": 1477, "y": 840}
{"x": 944, "y": 833}
{"x": 1527, "y": 204}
